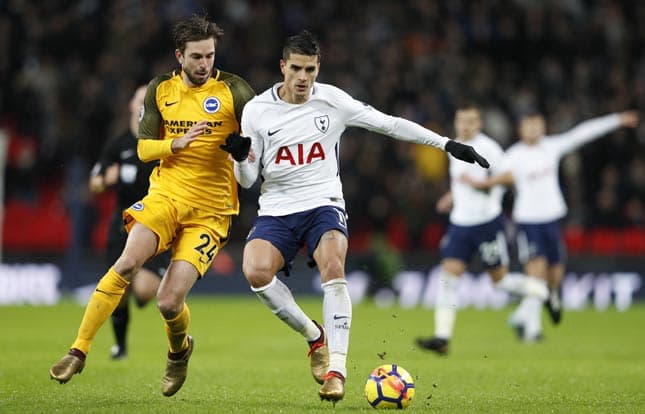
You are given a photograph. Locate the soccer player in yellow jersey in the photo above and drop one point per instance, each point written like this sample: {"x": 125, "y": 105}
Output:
{"x": 186, "y": 116}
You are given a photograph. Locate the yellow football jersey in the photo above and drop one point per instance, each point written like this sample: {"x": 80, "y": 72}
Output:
{"x": 200, "y": 175}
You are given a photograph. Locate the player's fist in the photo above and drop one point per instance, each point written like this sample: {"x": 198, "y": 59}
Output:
{"x": 629, "y": 119}
{"x": 465, "y": 153}
{"x": 237, "y": 145}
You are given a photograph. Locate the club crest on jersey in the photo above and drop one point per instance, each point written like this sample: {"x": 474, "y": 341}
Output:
{"x": 322, "y": 123}
{"x": 137, "y": 206}
{"x": 211, "y": 104}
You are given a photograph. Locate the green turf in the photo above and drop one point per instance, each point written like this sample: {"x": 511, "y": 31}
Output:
{"x": 246, "y": 361}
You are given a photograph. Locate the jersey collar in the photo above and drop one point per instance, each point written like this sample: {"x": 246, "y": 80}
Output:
{"x": 214, "y": 75}
{"x": 276, "y": 96}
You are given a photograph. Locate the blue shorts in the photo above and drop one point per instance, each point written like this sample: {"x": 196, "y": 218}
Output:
{"x": 486, "y": 240}
{"x": 291, "y": 232}
{"x": 544, "y": 239}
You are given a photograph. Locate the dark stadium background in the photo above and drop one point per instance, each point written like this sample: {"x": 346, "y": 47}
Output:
{"x": 68, "y": 68}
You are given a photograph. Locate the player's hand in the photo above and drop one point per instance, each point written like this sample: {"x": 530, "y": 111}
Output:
{"x": 251, "y": 157}
{"x": 192, "y": 134}
{"x": 465, "y": 153}
{"x": 237, "y": 145}
{"x": 444, "y": 204}
{"x": 111, "y": 176}
{"x": 629, "y": 119}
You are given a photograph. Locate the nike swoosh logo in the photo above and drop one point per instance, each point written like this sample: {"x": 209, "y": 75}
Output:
{"x": 271, "y": 133}
{"x": 171, "y": 103}
{"x": 336, "y": 317}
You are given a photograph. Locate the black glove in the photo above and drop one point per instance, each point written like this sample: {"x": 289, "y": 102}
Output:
{"x": 465, "y": 153}
{"x": 237, "y": 145}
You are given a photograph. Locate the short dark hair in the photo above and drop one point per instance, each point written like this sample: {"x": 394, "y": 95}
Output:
{"x": 194, "y": 29}
{"x": 467, "y": 106}
{"x": 530, "y": 113}
{"x": 304, "y": 43}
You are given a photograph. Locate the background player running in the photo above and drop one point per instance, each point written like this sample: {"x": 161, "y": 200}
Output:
{"x": 476, "y": 229}
{"x": 532, "y": 166}
{"x": 295, "y": 129}
{"x": 120, "y": 167}
{"x": 187, "y": 114}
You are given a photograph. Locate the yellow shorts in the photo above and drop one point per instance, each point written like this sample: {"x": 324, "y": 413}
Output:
{"x": 194, "y": 235}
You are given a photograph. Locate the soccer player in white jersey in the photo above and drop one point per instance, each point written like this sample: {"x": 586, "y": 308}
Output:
{"x": 532, "y": 166}
{"x": 294, "y": 131}
{"x": 476, "y": 229}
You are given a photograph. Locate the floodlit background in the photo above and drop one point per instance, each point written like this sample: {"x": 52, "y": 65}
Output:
{"x": 68, "y": 68}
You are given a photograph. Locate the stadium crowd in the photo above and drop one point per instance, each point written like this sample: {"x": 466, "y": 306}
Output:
{"x": 71, "y": 66}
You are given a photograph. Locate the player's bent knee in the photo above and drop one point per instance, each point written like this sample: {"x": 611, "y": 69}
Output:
{"x": 145, "y": 286}
{"x": 168, "y": 306}
{"x": 258, "y": 277}
{"x": 258, "y": 273}
{"x": 127, "y": 266}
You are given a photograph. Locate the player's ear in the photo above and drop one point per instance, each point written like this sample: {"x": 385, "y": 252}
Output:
{"x": 283, "y": 64}
{"x": 179, "y": 56}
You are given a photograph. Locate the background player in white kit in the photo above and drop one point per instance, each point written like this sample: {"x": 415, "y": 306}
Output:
{"x": 294, "y": 129}
{"x": 476, "y": 229}
{"x": 532, "y": 166}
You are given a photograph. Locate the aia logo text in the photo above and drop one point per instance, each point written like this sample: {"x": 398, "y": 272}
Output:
{"x": 300, "y": 154}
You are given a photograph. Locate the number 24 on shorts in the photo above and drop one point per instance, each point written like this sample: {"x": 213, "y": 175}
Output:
{"x": 202, "y": 248}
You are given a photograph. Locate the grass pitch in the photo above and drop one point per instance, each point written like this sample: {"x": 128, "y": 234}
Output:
{"x": 247, "y": 361}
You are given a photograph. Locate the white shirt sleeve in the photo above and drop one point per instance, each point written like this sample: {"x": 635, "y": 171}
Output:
{"x": 364, "y": 116}
{"x": 246, "y": 172}
{"x": 584, "y": 132}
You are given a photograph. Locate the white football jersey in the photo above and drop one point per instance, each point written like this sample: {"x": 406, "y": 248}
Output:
{"x": 470, "y": 206}
{"x": 538, "y": 196}
{"x": 297, "y": 146}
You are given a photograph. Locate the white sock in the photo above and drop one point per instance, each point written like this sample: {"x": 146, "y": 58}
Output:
{"x": 445, "y": 312}
{"x": 518, "y": 317}
{"x": 533, "y": 321}
{"x": 277, "y": 296}
{"x": 522, "y": 285}
{"x": 537, "y": 288}
{"x": 337, "y": 316}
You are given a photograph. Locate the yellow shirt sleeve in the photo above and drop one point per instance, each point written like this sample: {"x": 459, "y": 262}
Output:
{"x": 153, "y": 149}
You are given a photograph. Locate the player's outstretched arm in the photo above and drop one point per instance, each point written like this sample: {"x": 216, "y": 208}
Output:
{"x": 502, "y": 179}
{"x": 364, "y": 116}
{"x": 594, "y": 128}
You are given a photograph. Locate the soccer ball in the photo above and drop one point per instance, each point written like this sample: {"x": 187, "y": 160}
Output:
{"x": 389, "y": 386}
